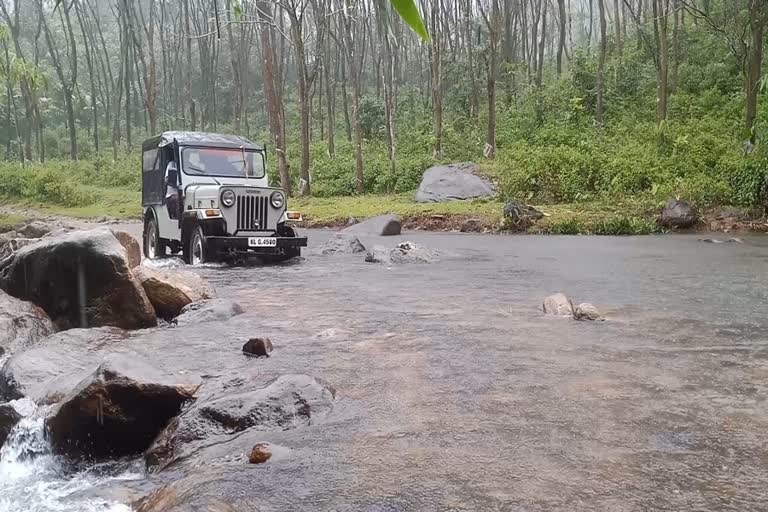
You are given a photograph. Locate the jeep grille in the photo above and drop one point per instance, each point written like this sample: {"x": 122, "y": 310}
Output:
{"x": 252, "y": 213}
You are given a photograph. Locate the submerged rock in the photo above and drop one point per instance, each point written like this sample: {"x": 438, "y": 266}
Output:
{"x": 34, "y": 229}
{"x": 558, "y": 305}
{"x": 185, "y": 496}
{"x": 587, "y": 311}
{"x": 678, "y": 214}
{"x": 453, "y": 182}
{"x": 341, "y": 244}
{"x": 519, "y": 216}
{"x": 170, "y": 291}
{"x": 81, "y": 279}
{"x": 406, "y": 252}
{"x": 117, "y": 411}
{"x": 260, "y": 454}
{"x": 213, "y": 310}
{"x": 383, "y": 225}
{"x": 290, "y": 401}
{"x": 22, "y": 324}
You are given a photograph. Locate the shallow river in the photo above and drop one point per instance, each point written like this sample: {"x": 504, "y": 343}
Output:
{"x": 454, "y": 392}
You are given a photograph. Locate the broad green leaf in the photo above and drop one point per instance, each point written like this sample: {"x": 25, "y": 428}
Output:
{"x": 410, "y": 14}
{"x": 237, "y": 10}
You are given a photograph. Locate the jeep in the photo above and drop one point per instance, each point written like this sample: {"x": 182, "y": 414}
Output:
{"x": 207, "y": 196}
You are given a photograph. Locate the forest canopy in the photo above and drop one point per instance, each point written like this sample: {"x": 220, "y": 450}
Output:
{"x": 559, "y": 100}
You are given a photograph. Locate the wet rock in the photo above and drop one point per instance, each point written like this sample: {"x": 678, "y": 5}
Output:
{"x": 170, "y": 291}
{"x": 117, "y": 411}
{"x": 341, "y": 244}
{"x": 351, "y": 222}
{"x": 558, "y": 305}
{"x": 678, "y": 214}
{"x": 259, "y": 454}
{"x": 10, "y": 243}
{"x": 183, "y": 496}
{"x": 50, "y": 273}
{"x": 131, "y": 246}
{"x": 519, "y": 216}
{"x": 290, "y": 401}
{"x": 406, "y": 252}
{"x": 588, "y": 312}
{"x": 213, "y": 310}
{"x": 11, "y": 414}
{"x": 717, "y": 241}
{"x": 48, "y": 370}
{"x": 453, "y": 182}
{"x": 259, "y": 347}
{"x": 22, "y": 324}
{"x": 471, "y": 226}
{"x": 383, "y": 225}
{"x": 34, "y": 229}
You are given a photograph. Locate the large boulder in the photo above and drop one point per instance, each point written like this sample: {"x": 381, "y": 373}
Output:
{"x": 170, "y": 291}
{"x": 678, "y": 214}
{"x": 383, "y": 225}
{"x": 11, "y": 414}
{"x": 131, "y": 246}
{"x": 116, "y": 411}
{"x": 21, "y": 324}
{"x": 558, "y": 305}
{"x": 519, "y": 216}
{"x": 290, "y": 401}
{"x": 48, "y": 370}
{"x": 341, "y": 244}
{"x": 453, "y": 182}
{"x": 587, "y": 312}
{"x": 213, "y": 310}
{"x": 81, "y": 279}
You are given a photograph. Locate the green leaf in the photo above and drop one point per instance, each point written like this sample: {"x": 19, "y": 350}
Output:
{"x": 410, "y": 14}
{"x": 237, "y": 10}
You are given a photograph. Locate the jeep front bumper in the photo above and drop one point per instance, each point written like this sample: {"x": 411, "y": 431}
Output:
{"x": 228, "y": 245}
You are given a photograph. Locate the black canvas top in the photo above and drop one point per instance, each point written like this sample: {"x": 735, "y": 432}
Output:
{"x": 216, "y": 140}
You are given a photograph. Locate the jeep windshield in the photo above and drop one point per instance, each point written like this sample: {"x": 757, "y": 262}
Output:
{"x": 227, "y": 163}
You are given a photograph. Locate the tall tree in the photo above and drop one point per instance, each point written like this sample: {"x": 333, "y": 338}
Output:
{"x": 600, "y": 81}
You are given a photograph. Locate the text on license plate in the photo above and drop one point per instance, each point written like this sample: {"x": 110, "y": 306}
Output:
{"x": 262, "y": 242}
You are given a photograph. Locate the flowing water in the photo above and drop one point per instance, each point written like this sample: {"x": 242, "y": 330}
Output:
{"x": 454, "y": 392}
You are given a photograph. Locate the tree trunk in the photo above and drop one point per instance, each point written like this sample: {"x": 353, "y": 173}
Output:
{"x": 561, "y": 46}
{"x": 273, "y": 92}
{"x": 437, "y": 83}
{"x": 754, "y": 70}
{"x": 542, "y": 44}
{"x": 660, "y": 15}
{"x": 617, "y": 17}
{"x": 600, "y": 81}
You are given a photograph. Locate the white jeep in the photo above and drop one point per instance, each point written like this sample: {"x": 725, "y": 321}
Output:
{"x": 207, "y": 196}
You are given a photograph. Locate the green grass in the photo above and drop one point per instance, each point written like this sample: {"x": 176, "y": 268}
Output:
{"x": 338, "y": 210}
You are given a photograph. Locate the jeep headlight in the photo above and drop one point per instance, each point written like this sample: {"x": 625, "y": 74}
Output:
{"x": 228, "y": 198}
{"x": 278, "y": 199}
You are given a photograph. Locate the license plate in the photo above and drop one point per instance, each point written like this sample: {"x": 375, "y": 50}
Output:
{"x": 262, "y": 242}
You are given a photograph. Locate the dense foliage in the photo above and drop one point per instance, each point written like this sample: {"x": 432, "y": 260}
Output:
{"x": 549, "y": 147}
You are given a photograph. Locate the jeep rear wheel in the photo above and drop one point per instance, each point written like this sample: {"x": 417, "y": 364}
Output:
{"x": 198, "y": 248}
{"x": 154, "y": 247}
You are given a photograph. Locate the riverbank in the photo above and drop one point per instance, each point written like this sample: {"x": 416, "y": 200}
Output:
{"x": 622, "y": 217}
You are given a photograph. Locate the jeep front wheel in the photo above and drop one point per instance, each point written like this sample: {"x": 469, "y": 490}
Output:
{"x": 198, "y": 248}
